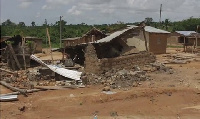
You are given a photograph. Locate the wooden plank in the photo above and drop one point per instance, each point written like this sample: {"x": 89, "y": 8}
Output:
{"x": 14, "y": 56}
{"x": 13, "y": 88}
{"x": 50, "y": 44}
{"x": 11, "y": 72}
{"x": 23, "y": 43}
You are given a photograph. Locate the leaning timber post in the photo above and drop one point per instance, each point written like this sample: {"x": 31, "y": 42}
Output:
{"x": 143, "y": 29}
{"x": 14, "y": 56}
{"x": 23, "y": 44}
{"x": 3, "y": 83}
{"x": 63, "y": 59}
{"x": 184, "y": 45}
{"x": 50, "y": 44}
{"x": 196, "y": 42}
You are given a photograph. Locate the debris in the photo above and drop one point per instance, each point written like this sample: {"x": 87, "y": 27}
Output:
{"x": 180, "y": 58}
{"x": 13, "y": 88}
{"x": 6, "y": 98}
{"x": 7, "y": 71}
{"x": 56, "y": 87}
{"x": 22, "y": 109}
{"x": 113, "y": 114}
{"x": 109, "y": 92}
{"x": 107, "y": 88}
{"x": 71, "y": 95}
{"x": 62, "y": 71}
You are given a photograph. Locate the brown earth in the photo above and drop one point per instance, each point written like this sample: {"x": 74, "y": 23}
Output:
{"x": 167, "y": 96}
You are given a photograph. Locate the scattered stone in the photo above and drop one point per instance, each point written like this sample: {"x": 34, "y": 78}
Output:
{"x": 71, "y": 95}
{"x": 106, "y": 88}
{"x": 22, "y": 109}
{"x": 113, "y": 114}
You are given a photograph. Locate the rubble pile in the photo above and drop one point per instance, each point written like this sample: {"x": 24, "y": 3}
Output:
{"x": 180, "y": 58}
{"x": 123, "y": 79}
{"x": 19, "y": 79}
{"x": 157, "y": 67}
{"x": 118, "y": 78}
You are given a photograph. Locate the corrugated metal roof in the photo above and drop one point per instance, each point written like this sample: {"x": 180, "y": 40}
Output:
{"x": 113, "y": 35}
{"x": 62, "y": 71}
{"x": 154, "y": 30}
{"x": 186, "y": 33}
{"x": 8, "y": 97}
{"x": 71, "y": 38}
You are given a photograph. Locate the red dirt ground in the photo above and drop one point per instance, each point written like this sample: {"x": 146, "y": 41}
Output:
{"x": 167, "y": 96}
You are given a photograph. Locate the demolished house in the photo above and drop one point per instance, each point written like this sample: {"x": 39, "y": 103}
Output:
{"x": 16, "y": 50}
{"x": 91, "y": 36}
{"x": 110, "y": 61}
{"x": 190, "y": 40}
{"x": 110, "y": 52}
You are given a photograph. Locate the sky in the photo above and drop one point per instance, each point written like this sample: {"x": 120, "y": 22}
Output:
{"x": 96, "y": 11}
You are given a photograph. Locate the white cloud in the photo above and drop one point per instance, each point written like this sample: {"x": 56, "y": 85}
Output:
{"x": 74, "y": 11}
{"x": 100, "y": 11}
{"x": 25, "y": 3}
{"x": 47, "y": 7}
{"x": 54, "y": 4}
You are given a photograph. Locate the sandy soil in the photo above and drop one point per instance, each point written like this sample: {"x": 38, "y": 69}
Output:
{"x": 167, "y": 96}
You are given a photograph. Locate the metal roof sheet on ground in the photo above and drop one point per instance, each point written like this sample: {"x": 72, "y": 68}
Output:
{"x": 185, "y": 33}
{"x": 154, "y": 30}
{"x": 62, "y": 71}
{"x": 8, "y": 97}
{"x": 113, "y": 35}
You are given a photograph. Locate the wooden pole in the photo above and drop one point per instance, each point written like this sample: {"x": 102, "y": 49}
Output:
{"x": 23, "y": 44}
{"x": 184, "y": 45}
{"x": 143, "y": 29}
{"x": 13, "y": 88}
{"x": 11, "y": 72}
{"x": 50, "y": 44}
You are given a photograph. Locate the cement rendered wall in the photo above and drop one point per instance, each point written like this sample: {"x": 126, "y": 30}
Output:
{"x": 158, "y": 43}
{"x": 139, "y": 41}
{"x": 95, "y": 65}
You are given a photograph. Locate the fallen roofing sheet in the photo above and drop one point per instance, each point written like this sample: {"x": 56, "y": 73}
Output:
{"x": 4, "y": 98}
{"x": 62, "y": 71}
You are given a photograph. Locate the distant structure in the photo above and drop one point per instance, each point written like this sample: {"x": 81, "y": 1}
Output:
{"x": 160, "y": 12}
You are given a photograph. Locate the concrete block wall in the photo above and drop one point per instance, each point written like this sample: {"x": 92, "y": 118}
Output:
{"x": 95, "y": 65}
{"x": 127, "y": 62}
{"x": 92, "y": 63}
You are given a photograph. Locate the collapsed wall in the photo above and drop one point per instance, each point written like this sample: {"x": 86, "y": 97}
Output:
{"x": 95, "y": 65}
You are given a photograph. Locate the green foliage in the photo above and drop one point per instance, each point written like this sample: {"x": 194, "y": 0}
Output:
{"x": 8, "y": 28}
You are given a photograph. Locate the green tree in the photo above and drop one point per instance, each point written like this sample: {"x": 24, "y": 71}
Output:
{"x": 33, "y": 23}
{"x": 148, "y": 21}
{"x": 21, "y": 24}
{"x": 8, "y": 22}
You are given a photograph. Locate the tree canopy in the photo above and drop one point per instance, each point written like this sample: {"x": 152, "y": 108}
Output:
{"x": 9, "y": 28}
